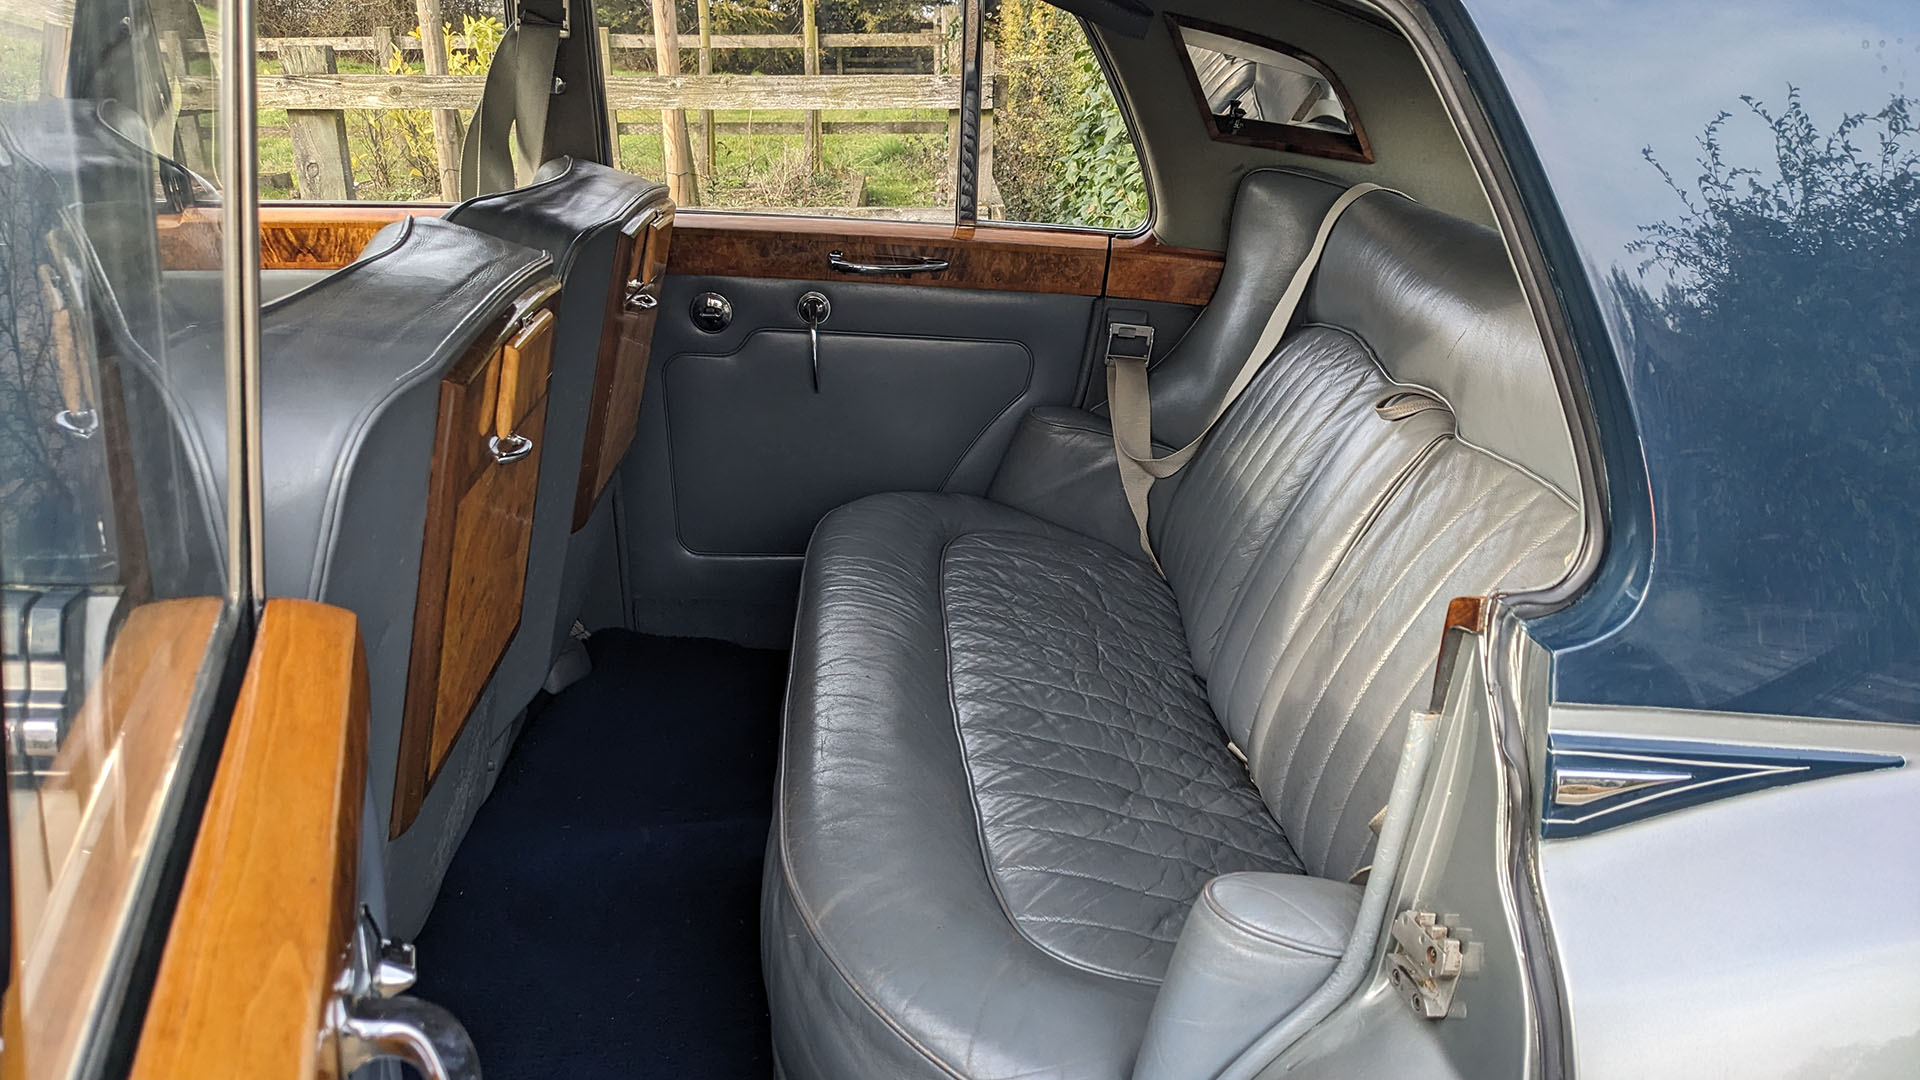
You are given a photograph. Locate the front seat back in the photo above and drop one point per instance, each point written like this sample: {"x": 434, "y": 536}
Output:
{"x": 607, "y": 232}
{"x": 404, "y": 407}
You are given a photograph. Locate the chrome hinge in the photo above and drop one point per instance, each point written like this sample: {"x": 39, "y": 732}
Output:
{"x": 1426, "y": 962}
{"x": 371, "y": 1017}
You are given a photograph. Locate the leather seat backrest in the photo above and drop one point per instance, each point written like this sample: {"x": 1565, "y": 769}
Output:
{"x": 1315, "y": 541}
{"x": 1436, "y": 299}
{"x": 590, "y": 219}
{"x": 352, "y": 369}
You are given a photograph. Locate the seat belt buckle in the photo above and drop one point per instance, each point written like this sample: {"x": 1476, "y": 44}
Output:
{"x": 1129, "y": 341}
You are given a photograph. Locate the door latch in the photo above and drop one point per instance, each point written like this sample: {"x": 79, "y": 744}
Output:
{"x": 1426, "y": 962}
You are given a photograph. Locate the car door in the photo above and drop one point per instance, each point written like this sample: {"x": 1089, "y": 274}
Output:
{"x": 192, "y": 885}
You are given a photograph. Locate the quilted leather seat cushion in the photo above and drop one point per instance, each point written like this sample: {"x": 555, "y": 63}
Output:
{"x": 1105, "y": 792}
{"x": 1001, "y": 790}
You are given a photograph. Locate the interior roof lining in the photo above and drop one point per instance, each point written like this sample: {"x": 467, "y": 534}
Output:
{"x": 1192, "y": 178}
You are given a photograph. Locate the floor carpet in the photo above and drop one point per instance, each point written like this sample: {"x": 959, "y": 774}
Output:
{"x": 601, "y": 918}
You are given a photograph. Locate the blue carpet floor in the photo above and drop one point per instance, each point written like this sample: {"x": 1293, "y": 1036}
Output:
{"x": 601, "y": 918}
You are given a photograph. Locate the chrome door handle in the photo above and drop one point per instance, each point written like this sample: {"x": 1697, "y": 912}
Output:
{"x": 82, "y": 422}
{"x": 370, "y": 1017}
{"x": 839, "y": 261}
{"x": 407, "y": 1029}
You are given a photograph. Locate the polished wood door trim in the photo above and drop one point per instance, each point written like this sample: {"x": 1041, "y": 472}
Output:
{"x": 293, "y": 236}
{"x": 266, "y": 912}
{"x": 121, "y": 755}
{"x": 1143, "y": 268}
{"x": 1006, "y": 257}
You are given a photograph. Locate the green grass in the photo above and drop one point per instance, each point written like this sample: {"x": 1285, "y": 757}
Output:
{"x": 19, "y": 66}
{"x": 756, "y": 169}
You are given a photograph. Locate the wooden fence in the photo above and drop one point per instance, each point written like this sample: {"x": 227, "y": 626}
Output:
{"x": 315, "y": 95}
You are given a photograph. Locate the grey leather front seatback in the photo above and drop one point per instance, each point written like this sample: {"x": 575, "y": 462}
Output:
{"x": 737, "y": 458}
{"x": 573, "y": 211}
{"x": 931, "y": 907}
{"x": 350, "y": 384}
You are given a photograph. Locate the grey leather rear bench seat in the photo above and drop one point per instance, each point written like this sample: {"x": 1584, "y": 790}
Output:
{"x": 1006, "y": 775}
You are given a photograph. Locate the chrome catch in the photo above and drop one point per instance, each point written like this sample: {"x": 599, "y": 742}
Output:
{"x": 1426, "y": 963}
{"x": 509, "y": 449}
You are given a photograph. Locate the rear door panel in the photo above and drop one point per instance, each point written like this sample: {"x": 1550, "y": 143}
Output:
{"x": 923, "y": 379}
{"x": 919, "y": 390}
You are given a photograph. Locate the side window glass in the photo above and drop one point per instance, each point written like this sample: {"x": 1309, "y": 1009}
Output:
{"x": 1056, "y": 150}
{"x": 119, "y": 605}
{"x": 843, "y": 109}
{"x": 851, "y": 109}
{"x": 318, "y": 139}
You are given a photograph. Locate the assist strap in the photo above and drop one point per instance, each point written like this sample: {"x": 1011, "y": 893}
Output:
{"x": 1131, "y": 408}
{"x": 518, "y": 89}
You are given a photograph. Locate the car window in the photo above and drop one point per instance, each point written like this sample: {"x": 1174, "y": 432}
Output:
{"x": 1060, "y": 151}
{"x": 319, "y": 138}
{"x": 852, "y": 110}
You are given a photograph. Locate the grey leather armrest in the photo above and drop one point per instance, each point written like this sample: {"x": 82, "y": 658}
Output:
{"x": 1060, "y": 468}
{"x": 1254, "y": 947}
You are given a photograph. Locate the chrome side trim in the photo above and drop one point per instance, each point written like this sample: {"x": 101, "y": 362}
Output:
{"x": 240, "y": 303}
{"x": 1599, "y": 782}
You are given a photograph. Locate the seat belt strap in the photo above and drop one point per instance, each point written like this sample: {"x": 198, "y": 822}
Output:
{"x": 513, "y": 103}
{"x": 1131, "y": 407}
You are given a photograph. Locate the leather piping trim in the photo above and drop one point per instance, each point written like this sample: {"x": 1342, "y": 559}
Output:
{"x": 811, "y": 925}
{"x": 791, "y": 887}
{"x": 973, "y": 790}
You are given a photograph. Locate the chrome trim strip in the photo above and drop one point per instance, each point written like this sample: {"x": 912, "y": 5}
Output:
{"x": 1578, "y": 787}
{"x": 1599, "y": 782}
{"x": 240, "y": 301}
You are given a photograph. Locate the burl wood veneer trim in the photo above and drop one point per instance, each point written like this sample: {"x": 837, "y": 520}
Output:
{"x": 1142, "y": 268}
{"x": 1009, "y": 258}
{"x": 293, "y": 236}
